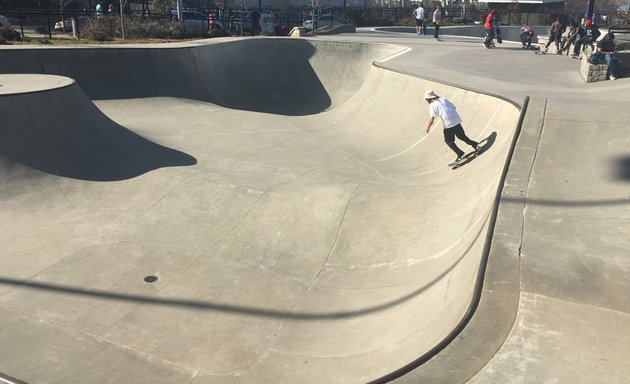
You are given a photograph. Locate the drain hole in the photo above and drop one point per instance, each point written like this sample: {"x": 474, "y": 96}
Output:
{"x": 150, "y": 279}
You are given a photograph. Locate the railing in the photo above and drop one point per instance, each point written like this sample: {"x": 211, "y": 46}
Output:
{"x": 43, "y": 21}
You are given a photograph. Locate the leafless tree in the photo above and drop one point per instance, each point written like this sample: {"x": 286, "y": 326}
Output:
{"x": 316, "y": 4}
{"x": 243, "y": 4}
{"x": 62, "y": 4}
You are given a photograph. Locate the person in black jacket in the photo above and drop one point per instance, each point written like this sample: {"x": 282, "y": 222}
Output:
{"x": 590, "y": 36}
{"x": 606, "y": 49}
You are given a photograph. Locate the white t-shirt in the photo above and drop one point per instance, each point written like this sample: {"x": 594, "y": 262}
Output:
{"x": 446, "y": 111}
{"x": 420, "y": 13}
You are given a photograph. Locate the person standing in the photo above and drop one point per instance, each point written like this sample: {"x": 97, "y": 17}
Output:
{"x": 438, "y": 15}
{"x": 419, "y": 15}
{"x": 99, "y": 9}
{"x": 554, "y": 36}
{"x": 255, "y": 16}
{"x": 452, "y": 122}
{"x": 491, "y": 24}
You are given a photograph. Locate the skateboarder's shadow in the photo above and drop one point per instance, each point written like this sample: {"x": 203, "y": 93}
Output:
{"x": 486, "y": 143}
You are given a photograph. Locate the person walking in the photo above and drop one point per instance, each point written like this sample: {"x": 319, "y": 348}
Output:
{"x": 255, "y": 17}
{"x": 452, "y": 122}
{"x": 491, "y": 24}
{"x": 419, "y": 15}
{"x": 438, "y": 15}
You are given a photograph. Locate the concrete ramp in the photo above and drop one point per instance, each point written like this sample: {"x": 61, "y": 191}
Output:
{"x": 311, "y": 234}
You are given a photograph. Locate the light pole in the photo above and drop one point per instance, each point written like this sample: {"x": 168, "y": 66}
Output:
{"x": 589, "y": 10}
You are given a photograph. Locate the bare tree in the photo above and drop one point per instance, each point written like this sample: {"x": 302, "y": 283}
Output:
{"x": 62, "y": 4}
{"x": 316, "y": 4}
{"x": 163, "y": 6}
{"x": 243, "y": 4}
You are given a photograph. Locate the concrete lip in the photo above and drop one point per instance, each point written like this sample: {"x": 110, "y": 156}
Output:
{"x": 11, "y": 84}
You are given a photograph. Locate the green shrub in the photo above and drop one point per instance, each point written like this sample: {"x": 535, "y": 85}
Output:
{"x": 107, "y": 28}
{"x": 100, "y": 28}
{"x": 138, "y": 27}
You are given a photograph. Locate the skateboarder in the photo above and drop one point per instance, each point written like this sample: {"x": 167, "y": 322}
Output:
{"x": 491, "y": 24}
{"x": 555, "y": 36}
{"x": 441, "y": 107}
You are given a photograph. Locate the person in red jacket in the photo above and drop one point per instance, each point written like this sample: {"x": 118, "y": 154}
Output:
{"x": 491, "y": 24}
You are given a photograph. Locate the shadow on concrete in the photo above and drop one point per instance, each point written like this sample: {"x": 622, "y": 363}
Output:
{"x": 259, "y": 75}
{"x": 484, "y": 145}
{"x": 622, "y": 168}
{"x": 487, "y": 142}
{"x": 78, "y": 141}
{"x": 273, "y": 77}
{"x": 236, "y": 309}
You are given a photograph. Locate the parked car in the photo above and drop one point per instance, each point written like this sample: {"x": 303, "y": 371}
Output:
{"x": 63, "y": 25}
{"x": 193, "y": 21}
{"x": 322, "y": 21}
{"x": 266, "y": 23}
{"x": 4, "y": 22}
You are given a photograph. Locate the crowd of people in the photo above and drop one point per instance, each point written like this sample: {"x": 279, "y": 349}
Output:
{"x": 563, "y": 36}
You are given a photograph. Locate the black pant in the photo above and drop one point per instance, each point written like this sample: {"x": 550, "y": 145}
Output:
{"x": 555, "y": 38}
{"x": 437, "y": 30}
{"x": 489, "y": 36}
{"x": 449, "y": 138}
{"x": 580, "y": 43}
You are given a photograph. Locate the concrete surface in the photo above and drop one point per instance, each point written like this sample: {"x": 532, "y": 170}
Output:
{"x": 313, "y": 234}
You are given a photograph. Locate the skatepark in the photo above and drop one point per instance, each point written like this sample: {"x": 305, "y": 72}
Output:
{"x": 271, "y": 210}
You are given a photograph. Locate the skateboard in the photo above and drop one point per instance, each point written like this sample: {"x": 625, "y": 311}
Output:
{"x": 465, "y": 159}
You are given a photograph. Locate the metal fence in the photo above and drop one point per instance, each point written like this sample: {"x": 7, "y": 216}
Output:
{"x": 44, "y": 21}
